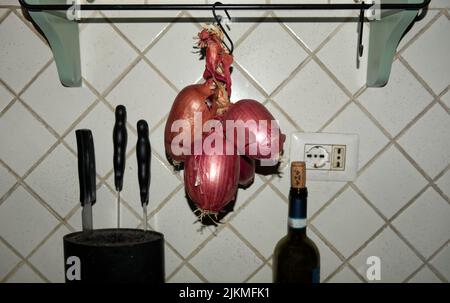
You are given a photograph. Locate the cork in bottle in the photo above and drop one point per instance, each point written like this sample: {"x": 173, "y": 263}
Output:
{"x": 298, "y": 174}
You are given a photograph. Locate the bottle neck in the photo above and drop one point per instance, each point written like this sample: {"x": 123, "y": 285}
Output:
{"x": 297, "y": 212}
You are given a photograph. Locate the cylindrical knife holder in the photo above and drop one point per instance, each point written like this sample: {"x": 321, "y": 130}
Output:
{"x": 114, "y": 255}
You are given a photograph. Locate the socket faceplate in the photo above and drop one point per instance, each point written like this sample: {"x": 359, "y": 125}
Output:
{"x": 328, "y": 156}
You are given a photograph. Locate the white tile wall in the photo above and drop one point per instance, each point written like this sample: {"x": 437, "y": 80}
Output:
{"x": 397, "y": 209}
{"x": 390, "y": 182}
{"x": 18, "y": 63}
{"x": 345, "y": 275}
{"x": 398, "y": 261}
{"x": 429, "y": 214}
{"x": 266, "y": 67}
{"x": 5, "y": 97}
{"x": 441, "y": 261}
{"x": 425, "y": 275}
{"x": 262, "y": 221}
{"x": 341, "y": 221}
{"x": 19, "y": 137}
{"x": 311, "y": 91}
{"x": 48, "y": 98}
{"x": 436, "y": 72}
{"x": 402, "y": 99}
{"x": 226, "y": 259}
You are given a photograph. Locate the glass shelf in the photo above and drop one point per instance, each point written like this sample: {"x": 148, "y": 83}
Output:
{"x": 55, "y": 19}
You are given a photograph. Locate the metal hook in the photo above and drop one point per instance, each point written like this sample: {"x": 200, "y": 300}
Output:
{"x": 360, "y": 33}
{"x": 219, "y": 22}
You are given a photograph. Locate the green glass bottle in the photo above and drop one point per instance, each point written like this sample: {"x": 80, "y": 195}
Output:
{"x": 296, "y": 258}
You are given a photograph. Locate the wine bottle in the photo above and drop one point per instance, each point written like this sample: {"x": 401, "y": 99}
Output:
{"x": 296, "y": 258}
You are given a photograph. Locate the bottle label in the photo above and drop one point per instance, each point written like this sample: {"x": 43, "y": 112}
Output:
{"x": 316, "y": 275}
{"x": 296, "y": 222}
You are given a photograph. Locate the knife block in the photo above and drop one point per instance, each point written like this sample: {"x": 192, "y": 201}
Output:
{"x": 114, "y": 255}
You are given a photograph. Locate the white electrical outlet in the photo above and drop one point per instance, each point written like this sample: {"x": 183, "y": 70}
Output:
{"x": 328, "y": 156}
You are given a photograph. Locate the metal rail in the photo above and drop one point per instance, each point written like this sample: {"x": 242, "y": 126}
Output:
{"x": 303, "y": 6}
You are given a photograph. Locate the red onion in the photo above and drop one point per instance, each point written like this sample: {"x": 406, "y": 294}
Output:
{"x": 211, "y": 181}
{"x": 192, "y": 99}
{"x": 261, "y": 141}
{"x": 246, "y": 171}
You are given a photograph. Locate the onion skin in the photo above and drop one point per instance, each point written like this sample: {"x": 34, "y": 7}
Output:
{"x": 246, "y": 171}
{"x": 218, "y": 61}
{"x": 190, "y": 100}
{"x": 248, "y": 110}
{"x": 211, "y": 181}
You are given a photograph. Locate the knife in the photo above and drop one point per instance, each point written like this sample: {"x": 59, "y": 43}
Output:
{"x": 120, "y": 138}
{"x": 143, "y": 155}
{"x": 86, "y": 175}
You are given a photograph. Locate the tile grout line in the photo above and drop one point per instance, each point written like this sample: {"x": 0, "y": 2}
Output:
{"x": 286, "y": 115}
{"x": 241, "y": 68}
{"x": 310, "y": 55}
{"x": 142, "y": 56}
{"x": 179, "y": 256}
{"x": 17, "y": 254}
{"x": 166, "y": 200}
{"x": 59, "y": 139}
{"x": 429, "y": 260}
{"x": 2, "y": 18}
{"x": 251, "y": 247}
{"x": 329, "y": 202}
{"x": 22, "y": 260}
{"x": 21, "y": 183}
{"x": 447, "y": 13}
{"x": 255, "y": 272}
{"x": 123, "y": 201}
{"x": 411, "y": 123}
{"x": 388, "y": 221}
{"x": 221, "y": 227}
{"x": 31, "y": 27}
{"x": 18, "y": 266}
{"x": 421, "y": 257}
{"x": 247, "y": 242}
{"x": 101, "y": 97}
{"x": 26, "y": 86}
{"x": 343, "y": 260}
{"x": 347, "y": 260}
{"x": 249, "y": 78}
{"x": 336, "y": 78}
{"x": 290, "y": 77}
{"x": 429, "y": 179}
{"x": 335, "y": 115}
{"x": 350, "y": 101}
{"x": 417, "y": 76}
{"x": 13, "y": 187}
{"x": 419, "y": 33}
{"x": 393, "y": 142}
{"x": 8, "y": 106}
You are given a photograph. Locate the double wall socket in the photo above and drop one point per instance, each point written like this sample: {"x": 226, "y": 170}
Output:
{"x": 328, "y": 156}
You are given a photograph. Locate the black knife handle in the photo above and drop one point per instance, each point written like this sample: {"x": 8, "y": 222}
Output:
{"x": 143, "y": 155}
{"x": 86, "y": 166}
{"x": 120, "y": 138}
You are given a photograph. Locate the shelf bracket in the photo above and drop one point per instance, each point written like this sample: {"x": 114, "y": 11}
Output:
{"x": 385, "y": 35}
{"x": 62, "y": 35}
